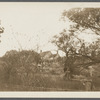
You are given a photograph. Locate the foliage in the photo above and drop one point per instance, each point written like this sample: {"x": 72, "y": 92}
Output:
{"x": 20, "y": 65}
{"x": 83, "y": 19}
{"x": 86, "y": 18}
{"x": 68, "y": 41}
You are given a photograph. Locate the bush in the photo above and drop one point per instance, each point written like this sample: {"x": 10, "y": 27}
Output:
{"x": 19, "y": 65}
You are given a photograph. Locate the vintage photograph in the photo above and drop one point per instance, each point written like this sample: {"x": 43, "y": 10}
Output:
{"x": 49, "y": 47}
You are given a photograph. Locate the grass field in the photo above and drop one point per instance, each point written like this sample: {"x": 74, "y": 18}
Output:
{"x": 44, "y": 83}
{"x": 48, "y": 83}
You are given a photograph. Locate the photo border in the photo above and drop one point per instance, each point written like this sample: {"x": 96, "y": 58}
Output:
{"x": 61, "y": 95}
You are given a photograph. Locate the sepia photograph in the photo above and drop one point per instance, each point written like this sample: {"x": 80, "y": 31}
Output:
{"x": 49, "y": 47}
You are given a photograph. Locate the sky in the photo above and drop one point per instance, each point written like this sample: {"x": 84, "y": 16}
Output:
{"x": 28, "y": 25}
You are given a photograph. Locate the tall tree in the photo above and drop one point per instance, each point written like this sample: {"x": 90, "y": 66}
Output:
{"x": 86, "y": 19}
{"x": 68, "y": 43}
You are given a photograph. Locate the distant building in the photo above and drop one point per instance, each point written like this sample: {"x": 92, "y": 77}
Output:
{"x": 50, "y": 63}
{"x": 48, "y": 56}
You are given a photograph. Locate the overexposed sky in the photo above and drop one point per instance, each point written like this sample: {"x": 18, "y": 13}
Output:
{"x": 29, "y": 24}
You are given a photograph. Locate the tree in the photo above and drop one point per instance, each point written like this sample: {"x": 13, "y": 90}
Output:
{"x": 78, "y": 50}
{"x": 68, "y": 43}
{"x": 20, "y": 65}
{"x": 1, "y": 31}
{"x": 84, "y": 18}
{"x": 71, "y": 44}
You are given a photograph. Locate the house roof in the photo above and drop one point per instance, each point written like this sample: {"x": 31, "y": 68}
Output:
{"x": 48, "y": 54}
{"x": 45, "y": 53}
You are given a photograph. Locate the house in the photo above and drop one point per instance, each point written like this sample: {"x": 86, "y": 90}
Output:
{"x": 45, "y": 55}
{"x": 49, "y": 56}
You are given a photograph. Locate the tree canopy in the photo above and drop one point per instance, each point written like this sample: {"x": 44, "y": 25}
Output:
{"x": 86, "y": 18}
{"x": 19, "y": 65}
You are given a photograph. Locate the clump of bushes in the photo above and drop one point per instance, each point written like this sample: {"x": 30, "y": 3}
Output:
{"x": 19, "y": 66}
